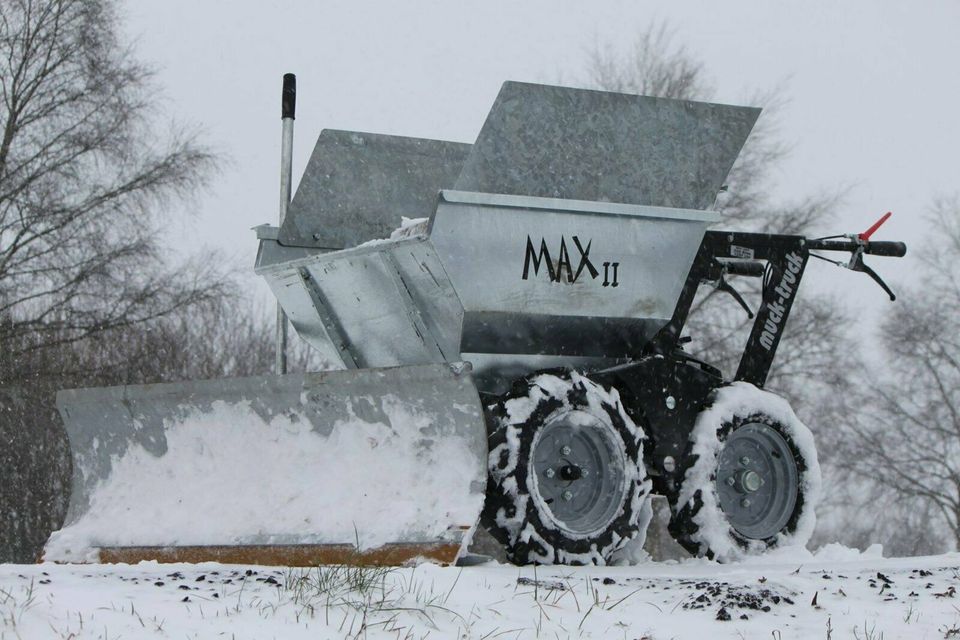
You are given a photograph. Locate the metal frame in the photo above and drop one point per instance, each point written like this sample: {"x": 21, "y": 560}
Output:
{"x": 665, "y": 388}
{"x": 783, "y": 254}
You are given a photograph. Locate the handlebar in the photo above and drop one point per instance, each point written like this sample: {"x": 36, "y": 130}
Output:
{"x": 720, "y": 247}
{"x": 878, "y": 248}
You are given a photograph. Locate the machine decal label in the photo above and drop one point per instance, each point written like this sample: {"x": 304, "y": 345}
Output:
{"x": 784, "y": 291}
{"x": 562, "y": 269}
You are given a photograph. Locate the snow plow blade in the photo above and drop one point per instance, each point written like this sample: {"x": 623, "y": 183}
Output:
{"x": 374, "y": 466}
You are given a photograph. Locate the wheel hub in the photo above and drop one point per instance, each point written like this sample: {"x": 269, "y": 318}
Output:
{"x": 750, "y": 481}
{"x": 757, "y": 481}
{"x": 570, "y": 472}
{"x": 579, "y": 469}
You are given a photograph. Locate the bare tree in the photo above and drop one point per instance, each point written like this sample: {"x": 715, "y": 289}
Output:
{"x": 225, "y": 338}
{"x": 654, "y": 66}
{"x": 85, "y": 172}
{"x": 906, "y": 432}
{"x": 83, "y": 177}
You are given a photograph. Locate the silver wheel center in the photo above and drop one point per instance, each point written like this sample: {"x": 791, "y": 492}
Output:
{"x": 757, "y": 481}
{"x": 579, "y": 470}
{"x": 750, "y": 481}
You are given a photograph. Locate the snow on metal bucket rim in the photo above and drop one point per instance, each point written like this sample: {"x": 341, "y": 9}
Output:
{"x": 358, "y": 459}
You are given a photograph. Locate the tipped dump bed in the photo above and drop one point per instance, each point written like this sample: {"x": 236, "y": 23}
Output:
{"x": 499, "y": 281}
{"x": 538, "y": 140}
{"x": 574, "y": 222}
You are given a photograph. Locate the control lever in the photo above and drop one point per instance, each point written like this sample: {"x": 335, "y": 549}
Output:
{"x": 726, "y": 287}
{"x": 719, "y": 270}
{"x": 857, "y": 264}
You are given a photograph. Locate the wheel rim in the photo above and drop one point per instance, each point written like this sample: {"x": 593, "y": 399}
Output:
{"x": 579, "y": 470}
{"x": 757, "y": 481}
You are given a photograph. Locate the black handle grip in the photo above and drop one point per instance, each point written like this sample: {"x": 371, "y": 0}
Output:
{"x": 289, "y": 99}
{"x": 886, "y": 248}
{"x": 750, "y": 268}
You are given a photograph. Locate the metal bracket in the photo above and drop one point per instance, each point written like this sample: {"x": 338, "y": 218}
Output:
{"x": 430, "y": 342}
{"x": 330, "y": 321}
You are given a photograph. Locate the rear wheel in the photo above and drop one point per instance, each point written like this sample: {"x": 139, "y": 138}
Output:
{"x": 751, "y": 477}
{"x": 566, "y": 481}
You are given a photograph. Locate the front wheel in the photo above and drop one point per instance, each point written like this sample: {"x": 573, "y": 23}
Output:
{"x": 751, "y": 478}
{"x": 566, "y": 481}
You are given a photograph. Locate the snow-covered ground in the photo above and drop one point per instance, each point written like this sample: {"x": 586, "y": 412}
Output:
{"x": 835, "y": 593}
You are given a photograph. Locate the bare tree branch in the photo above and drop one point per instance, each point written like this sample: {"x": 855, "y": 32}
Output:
{"x": 84, "y": 175}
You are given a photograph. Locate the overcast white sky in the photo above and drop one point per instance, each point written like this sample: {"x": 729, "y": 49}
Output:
{"x": 873, "y": 86}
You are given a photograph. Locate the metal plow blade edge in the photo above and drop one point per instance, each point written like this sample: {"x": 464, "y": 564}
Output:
{"x": 375, "y": 466}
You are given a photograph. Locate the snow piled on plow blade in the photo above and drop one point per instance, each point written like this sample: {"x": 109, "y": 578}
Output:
{"x": 360, "y": 458}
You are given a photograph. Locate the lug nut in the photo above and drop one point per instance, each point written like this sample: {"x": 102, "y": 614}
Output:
{"x": 565, "y": 450}
{"x": 744, "y": 460}
{"x": 568, "y": 495}
{"x": 731, "y": 481}
{"x": 584, "y": 472}
{"x": 745, "y": 503}
{"x": 549, "y": 473}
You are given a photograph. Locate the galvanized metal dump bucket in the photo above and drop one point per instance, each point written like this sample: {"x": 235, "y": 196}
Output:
{"x": 502, "y": 281}
{"x": 561, "y": 237}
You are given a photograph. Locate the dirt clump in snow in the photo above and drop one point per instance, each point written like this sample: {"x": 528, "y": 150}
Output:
{"x": 736, "y": 598}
